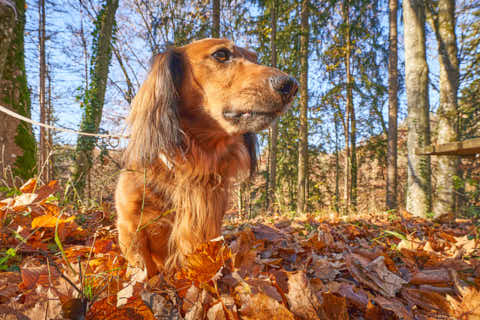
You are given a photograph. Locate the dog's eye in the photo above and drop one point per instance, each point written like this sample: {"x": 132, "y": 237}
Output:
{"x": 222, "y": 55}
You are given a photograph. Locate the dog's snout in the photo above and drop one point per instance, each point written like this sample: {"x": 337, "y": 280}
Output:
{"x": 285, "y": 85}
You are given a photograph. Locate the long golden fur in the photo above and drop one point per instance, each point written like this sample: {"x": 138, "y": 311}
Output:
{"x": 192, "y": 133}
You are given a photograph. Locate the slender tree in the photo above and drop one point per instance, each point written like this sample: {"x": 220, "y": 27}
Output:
{"x": 273, "y": 131}
{"x": 392, "y": 170}
{"x": 444, "y": 26}
{"x": 303, "y": 129}
{"x": 351, "y": 159}
{"x": 95, "y": 95}
{"x": 216, "y": 18}
{"x": 17, "y": 144}
{"x": 43, "y": 142}
{"x": 416, "y": 81}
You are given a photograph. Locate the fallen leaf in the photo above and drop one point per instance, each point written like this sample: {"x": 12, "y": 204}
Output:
{"x": 262, "y": 307}
{"x": 302, "y": 300}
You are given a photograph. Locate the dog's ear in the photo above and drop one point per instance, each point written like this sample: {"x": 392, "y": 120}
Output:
{"x": 154, "y": 118}
{"x": 250, "y": 140}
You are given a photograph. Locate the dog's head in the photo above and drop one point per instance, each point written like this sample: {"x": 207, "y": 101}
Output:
{"x": 209, "y": 89}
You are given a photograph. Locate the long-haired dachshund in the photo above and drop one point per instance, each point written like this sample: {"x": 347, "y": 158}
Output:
{"x": 192, "y": 132}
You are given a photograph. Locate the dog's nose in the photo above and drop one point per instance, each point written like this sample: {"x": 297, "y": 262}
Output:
{"x": 285, "y": 85}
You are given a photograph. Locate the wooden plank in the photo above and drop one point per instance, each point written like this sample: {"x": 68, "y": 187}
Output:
{"x": 460, "y": 148}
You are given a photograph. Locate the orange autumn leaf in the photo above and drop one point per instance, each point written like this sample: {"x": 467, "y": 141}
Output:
{"x": 48, "y": 221}
{"x": 38, "y": 276}
{"x": 262, "y": 307}
{"x": 29, "y": 186}
{"x": 335, "y": 307}
{"x": 204, "y": 263}
{"x": 107, "y": 309}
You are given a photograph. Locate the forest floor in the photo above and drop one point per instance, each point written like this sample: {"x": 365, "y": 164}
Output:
{"x": 57, "y": 263}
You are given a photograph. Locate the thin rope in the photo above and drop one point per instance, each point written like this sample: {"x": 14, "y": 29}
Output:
{"x": 20, "y": 117}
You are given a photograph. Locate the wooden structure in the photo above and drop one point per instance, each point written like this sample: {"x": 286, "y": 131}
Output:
{"x": 458, "y": 148}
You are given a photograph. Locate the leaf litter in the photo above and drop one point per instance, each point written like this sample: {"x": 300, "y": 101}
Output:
{"x": 365, "y": 267}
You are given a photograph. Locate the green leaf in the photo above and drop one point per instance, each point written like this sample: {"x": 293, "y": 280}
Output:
{"x": 395, "y": 234}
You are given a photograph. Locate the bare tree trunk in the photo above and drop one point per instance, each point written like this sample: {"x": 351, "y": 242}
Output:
{"x": 216, "y": 18}
{"x": 43, "y": 145}
{"x": 17, "y": 144}
{"x": 416, "y": 81}
{"x": 353, "y": 126}
{"x": 95, "y": 95}
{"x": 50, "y": 122}
{"x": 348, "y": 113}
{"x": 273, "y": 132}
{"x": 303, "y": 130}
{"x": 337, "y": 166}
{"x": 444, "y": 26}
{"x": 392, "y": 170}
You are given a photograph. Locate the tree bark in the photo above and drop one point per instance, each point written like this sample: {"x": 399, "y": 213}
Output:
{"x": 273, "y": 132}
{"x": 351, "y": 112}
{"x": 215, "y": 18}
{"x": 95, "y": 95}
{"x": 17, "y": 144}
{"x": 43, "y": 144}
{"x": 416, "y": 81}
{"x": 348, "y": 170}
{"x": 8, "y": 15}
{"x": 50, "y": 122}
{"x": 337, "y": 165}
{"x": 303, "y": 130}
{"x": 444, "y": 26}
{"x": 392, "y": 169}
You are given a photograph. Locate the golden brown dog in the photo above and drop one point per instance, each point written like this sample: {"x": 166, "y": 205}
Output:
{"x": 192, "y": 132}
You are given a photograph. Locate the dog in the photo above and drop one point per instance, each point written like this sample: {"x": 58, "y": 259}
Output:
{"x": 192, "y": 132}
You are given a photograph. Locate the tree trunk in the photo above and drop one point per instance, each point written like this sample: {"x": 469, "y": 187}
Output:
{"x": 353, "y": 128}
{"x": 392, "y": 170}
{"x": 337, "y": 166}
{"x": 348, "y": 158}
{"x": 444, "y": 25}
{"x": 43, "y": 144}
{"x": 8, "y": 15}
{"x": 303, "y": 130}
{"x": 50, "y": 122}
{"x": 95, "y": 95}
{"x": 416, "y": 81}
{"x": 215, "y": 18}
{"x": 273, "y": 132}
{"x": 17, "y": 144}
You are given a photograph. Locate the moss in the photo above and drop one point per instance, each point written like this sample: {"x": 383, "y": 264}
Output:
{"x": 19, "y": 98}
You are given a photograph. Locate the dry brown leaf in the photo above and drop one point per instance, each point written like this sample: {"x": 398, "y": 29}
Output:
{"x": 427, "y": 300}
{"x": 395, "y": 306}
{"x": 216, "y": 312}
{"x": 374, "y": 274}
{"x": 261, "y": 307}
{"x": 373, "y": 312}
{"x": 263, "y": 232}
{"x": 355, "y": 296}
{"x": 45, "y": 191}
{"x": 38, "y": 276}
{"x": 8, "y": 285}
{"x": 302, "y": 300}
{"x": 335, "y": 307}
{"x": 323, "y": 269}
{"x": 432, "y": 276}
{"x": 469, "y": 306}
